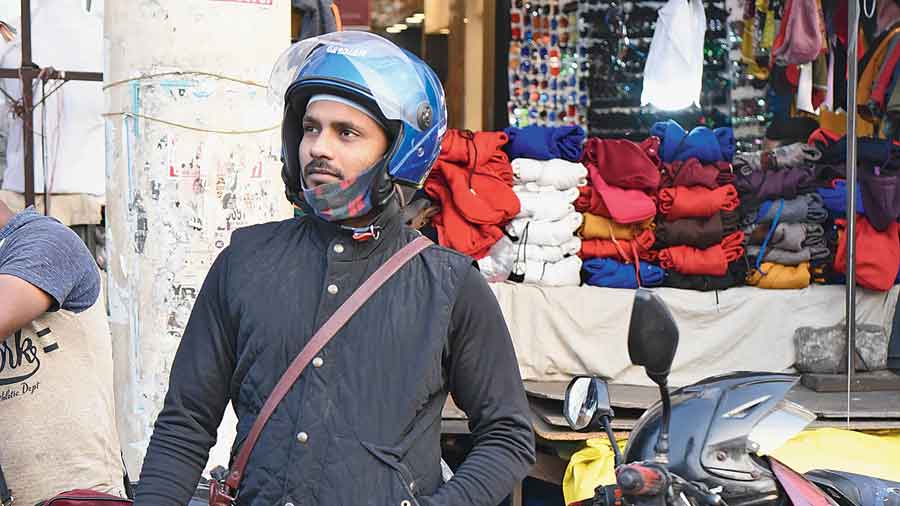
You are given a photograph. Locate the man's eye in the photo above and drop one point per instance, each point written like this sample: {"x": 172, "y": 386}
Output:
{"x": 309, "y": 129}
{"x": 349, "y": 133}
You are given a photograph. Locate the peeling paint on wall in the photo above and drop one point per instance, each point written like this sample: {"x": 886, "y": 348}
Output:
{"x": 176, "y": 195}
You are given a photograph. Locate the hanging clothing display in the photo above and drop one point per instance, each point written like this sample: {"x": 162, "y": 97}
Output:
{"x": 673, "y": 74}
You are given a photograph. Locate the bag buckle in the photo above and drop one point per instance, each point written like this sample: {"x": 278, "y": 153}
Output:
{"x": 8, "y": 502}
{"x": 219, "y": 492}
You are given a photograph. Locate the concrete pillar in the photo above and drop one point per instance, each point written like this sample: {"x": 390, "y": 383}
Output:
{"x": 175, "y": 194}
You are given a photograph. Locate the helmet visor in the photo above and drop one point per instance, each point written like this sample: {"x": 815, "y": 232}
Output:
{"x": 361, "y": 59}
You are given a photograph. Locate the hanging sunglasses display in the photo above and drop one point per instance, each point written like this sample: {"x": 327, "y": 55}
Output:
{"x": 582, "y": 62}
{"x": 546, "y": 65}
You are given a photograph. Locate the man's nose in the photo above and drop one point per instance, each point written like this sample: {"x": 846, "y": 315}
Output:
{"x": 322, "y": 146}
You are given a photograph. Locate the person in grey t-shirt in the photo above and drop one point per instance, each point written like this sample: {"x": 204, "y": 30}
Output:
{"x": 55, "y": 351}
{"x": 44, "y": 267}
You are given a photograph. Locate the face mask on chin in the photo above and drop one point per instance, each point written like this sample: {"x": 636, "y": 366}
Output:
{"x": 342, "y": 200}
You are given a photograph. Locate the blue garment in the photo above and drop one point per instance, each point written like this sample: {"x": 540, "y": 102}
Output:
{"x": 545, "y": 143}
{"x": 611, "y": 273}
{"x": 47, "y": 254}
{"x": 836, "y": 199}
{"x": 709, "y": 146}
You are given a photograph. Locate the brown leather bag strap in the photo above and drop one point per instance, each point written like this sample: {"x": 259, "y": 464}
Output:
{"x": 318, "y": 341}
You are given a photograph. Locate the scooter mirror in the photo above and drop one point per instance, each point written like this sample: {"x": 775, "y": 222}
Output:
{"x": 652, "y": 336}
{"x": 587, "y": 403}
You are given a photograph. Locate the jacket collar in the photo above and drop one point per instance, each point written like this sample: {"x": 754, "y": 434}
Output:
{"x": 388, "y": 231}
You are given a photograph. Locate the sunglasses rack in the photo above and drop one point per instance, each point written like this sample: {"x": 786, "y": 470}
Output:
{"x": 582, "y": 62}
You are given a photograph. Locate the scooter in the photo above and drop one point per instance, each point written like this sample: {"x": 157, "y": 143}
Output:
{"x": 715, "y": 452}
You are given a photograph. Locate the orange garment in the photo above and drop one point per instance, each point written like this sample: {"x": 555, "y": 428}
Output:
{"x": 600, "y": 227}
{"x": 696, "y": 201}
{"x": 712, "y": 261}
{"x": 472, "y": 180}
{"x": 626, "y": 251}
{"x": 872, "y": 61}
{"x": 780, "y": 277}
{"x": 877, "y": 253}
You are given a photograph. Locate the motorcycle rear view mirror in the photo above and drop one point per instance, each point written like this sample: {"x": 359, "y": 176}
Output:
{"x": 587, "y": 407}
{"x": 587, "y": 403}
{"x": 652, "y": 342}
{"x": 652, "y": 336}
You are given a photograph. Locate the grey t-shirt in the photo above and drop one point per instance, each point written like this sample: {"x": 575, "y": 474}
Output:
{"x": 47, "y": 254}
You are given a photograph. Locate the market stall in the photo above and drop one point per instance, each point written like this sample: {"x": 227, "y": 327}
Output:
{"x": 702, "y": 149}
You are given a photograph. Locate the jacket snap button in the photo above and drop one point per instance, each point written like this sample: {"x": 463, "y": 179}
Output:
{"x": 302, "y": 438}
{"x": 405, "y": 503}
{"x": 338, "y": 248}
{"x": 288, "y": 504}
{"x": 333, "y": 289}
{"x": 318, "y": 362}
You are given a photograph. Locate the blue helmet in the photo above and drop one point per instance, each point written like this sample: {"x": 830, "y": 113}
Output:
{"x": 395, "y": 85}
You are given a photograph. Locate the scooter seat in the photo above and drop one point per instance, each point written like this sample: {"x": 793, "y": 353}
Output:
{"x": 849, "y": 489}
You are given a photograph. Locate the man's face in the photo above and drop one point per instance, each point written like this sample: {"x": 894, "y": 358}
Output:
{"x": 339, "y": 142}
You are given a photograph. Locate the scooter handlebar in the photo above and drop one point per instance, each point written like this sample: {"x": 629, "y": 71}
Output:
{"x": 641, "y": 480}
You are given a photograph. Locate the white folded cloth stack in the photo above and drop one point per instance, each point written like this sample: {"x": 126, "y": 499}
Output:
{"x": 541, "y": 246}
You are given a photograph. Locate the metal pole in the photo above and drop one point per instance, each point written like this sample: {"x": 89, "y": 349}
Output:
{"x": 852, "y": 71}
{"x": 27, "y": 74}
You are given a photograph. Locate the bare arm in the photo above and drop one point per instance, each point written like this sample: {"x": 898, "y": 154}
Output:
{"x": 20, "y": 303}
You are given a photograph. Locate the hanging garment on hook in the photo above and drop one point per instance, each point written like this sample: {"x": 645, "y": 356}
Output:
{"x": 673, "y": 73}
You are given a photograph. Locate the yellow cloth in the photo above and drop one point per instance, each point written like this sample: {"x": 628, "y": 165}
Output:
{"x": 598, "y": 227}
{"x": 768, "y": 37}
{"x": 589, "y": 468}
{"x": 873, "y": 454}
{"x": 782, "y": 277}
{"x": 749, "y": 41}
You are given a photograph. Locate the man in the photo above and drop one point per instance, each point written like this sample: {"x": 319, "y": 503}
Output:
{"x": 362, "y": 423}
{"x": 57, "y": 416}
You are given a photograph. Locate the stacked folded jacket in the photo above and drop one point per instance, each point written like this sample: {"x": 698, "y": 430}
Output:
{"x": 540, "y": 245}
{"x": 784, "y": 216}
{"x": 877, "y": 212}
{"x": 698, "y": 238}
{"x": 697, "y": 230}
{"x": 472, "y": 182}
{"x": 619, "y": 206}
